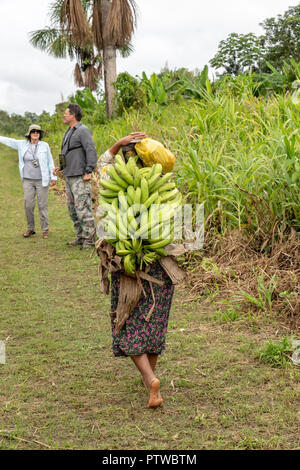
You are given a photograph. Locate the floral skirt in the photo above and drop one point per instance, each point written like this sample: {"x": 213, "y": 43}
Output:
{"x": 137, "y": 335}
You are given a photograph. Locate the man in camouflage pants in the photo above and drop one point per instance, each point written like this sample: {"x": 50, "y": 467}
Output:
{"x": 79, "y": 202}
{"x": 78, "y": 159}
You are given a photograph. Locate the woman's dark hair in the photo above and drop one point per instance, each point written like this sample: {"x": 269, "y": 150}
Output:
{"x": 75, "y": 109}
{"x": 40, "y": 132}
{"x": 128, "y": 150}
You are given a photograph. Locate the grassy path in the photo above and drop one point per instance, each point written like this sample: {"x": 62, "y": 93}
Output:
{"x": 61, "y": 386}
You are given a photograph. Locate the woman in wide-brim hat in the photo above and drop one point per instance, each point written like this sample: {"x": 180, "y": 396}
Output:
{"x": 36, "y": 171}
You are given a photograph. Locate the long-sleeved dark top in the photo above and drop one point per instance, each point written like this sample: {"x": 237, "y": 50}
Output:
{"x": 83, "y": 158}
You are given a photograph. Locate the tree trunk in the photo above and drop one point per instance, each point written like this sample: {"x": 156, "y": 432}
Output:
{"x": 110, "y": 76}
{"x": 109, "y": 63}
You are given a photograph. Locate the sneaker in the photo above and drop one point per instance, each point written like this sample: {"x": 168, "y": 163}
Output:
{"x": 45, "y": 234}
{"x": 75, "y": 242}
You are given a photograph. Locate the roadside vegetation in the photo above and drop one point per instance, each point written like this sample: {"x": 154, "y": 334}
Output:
{"x": 228, "y": 377}
{"x": 63, "y": 389}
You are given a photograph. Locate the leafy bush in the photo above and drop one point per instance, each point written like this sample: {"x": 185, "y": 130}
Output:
{"x": 129, "y": 92}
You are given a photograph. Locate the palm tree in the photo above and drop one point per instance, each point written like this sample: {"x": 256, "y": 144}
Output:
{"x": 91, "y": 32}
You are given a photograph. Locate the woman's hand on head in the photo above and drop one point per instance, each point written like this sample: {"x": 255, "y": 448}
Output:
{"x": 126, "y": 140}
{"x": 134, "y": 135}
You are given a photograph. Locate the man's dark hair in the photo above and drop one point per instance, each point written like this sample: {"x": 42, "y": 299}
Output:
{"x": 75, "y": 109}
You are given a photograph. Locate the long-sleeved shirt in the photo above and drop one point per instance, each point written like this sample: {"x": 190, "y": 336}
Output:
{"x": 104, "y": 162}
{"x": 43, "y": 155}
{"x": 83, "y": 158}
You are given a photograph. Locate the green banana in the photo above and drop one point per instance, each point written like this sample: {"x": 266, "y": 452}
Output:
{"x": 119, "y": 160}
{"x": 130, "y": 195}
{"x": 128, "y": 244}
{"x": 107, "y": 193}
{"x": 132, "y": 223}
{"x": 123, "y": 252}
{"x": 164, "y": 197}
{"x": 164, "y": 233}
{"x": 157, "y": 169}
{"x": 151, "y": 199}
{"x": 112, "y": 173}
{"x": 136, "y": 245}
{"x": 161, "y": 251}
{"x": 144, "y": 190}
{"x": 122, "y": 201}
{"x": 111, "y": 230}
{"x": 119, "y": 245}
{"x": 146, "y": 230}
{"x": 166, "y": 187}
{"x": 107, "y": 184}
{"x": 112, "y": 241}
{"x": 137, "y": 178}
{"x": 176, "y": 201}
{"x": 164, "y": 179}
{"x": 122, "y": 226}
{"x": 144, "y": 219}
{"x": 101, "y": 200}
{"x": 131, "y": 166}
{"x": 145, "y": 171}
{"x": 115, "y": 203}
{"x": 137, "y": 196}
{"x": 124, "y": 173}
{"x": 129, "y": 264}
{"x": 159, "y": 244}
{"x": 152, "y": 181}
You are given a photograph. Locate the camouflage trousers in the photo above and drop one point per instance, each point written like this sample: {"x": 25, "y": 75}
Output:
{"x": 79, "y": 202}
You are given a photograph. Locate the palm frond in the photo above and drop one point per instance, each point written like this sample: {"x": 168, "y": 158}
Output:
{"x": 74, "y": 22}
{"x": 97, "y": 25}
{"x": 50, "y": 40}
{"x": 121, "y": 22}
{"x": 78, "y": 76}
{"x": 55, "y": 9}
{"x": 91, "y": 78}
{"x": 125, "y": 51}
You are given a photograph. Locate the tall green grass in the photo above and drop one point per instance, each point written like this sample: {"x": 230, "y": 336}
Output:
{"x": 237, "y": 153}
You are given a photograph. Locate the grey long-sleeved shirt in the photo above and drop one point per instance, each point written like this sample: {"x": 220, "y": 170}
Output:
{"x": 83, "y": 159}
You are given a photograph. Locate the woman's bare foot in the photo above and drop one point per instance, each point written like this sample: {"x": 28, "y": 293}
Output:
{"x": 155, "y": 398}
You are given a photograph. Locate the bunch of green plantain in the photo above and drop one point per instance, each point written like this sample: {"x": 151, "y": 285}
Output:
{"x": 140, "y": 205}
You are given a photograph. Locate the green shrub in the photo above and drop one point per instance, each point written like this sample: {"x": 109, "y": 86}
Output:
{"x": 129, "y": 92}
{"x": 277, "y": 353}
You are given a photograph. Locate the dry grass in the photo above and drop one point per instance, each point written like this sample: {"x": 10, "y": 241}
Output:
{"x": 233, "y": 267}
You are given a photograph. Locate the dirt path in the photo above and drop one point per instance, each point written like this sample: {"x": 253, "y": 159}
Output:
{"x": 62, "y": 388}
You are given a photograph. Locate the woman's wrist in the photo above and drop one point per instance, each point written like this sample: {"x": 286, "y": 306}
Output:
{"x": 115, "y": 148}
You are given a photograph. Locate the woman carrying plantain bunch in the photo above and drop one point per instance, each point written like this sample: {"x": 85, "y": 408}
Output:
{"x": 143, "y": 341}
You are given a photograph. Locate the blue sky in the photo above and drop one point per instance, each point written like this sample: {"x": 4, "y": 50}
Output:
{"x": 32, "y": 81}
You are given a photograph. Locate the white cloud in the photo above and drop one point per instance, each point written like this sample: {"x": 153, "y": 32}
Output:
{"x": 183, "y": 34}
